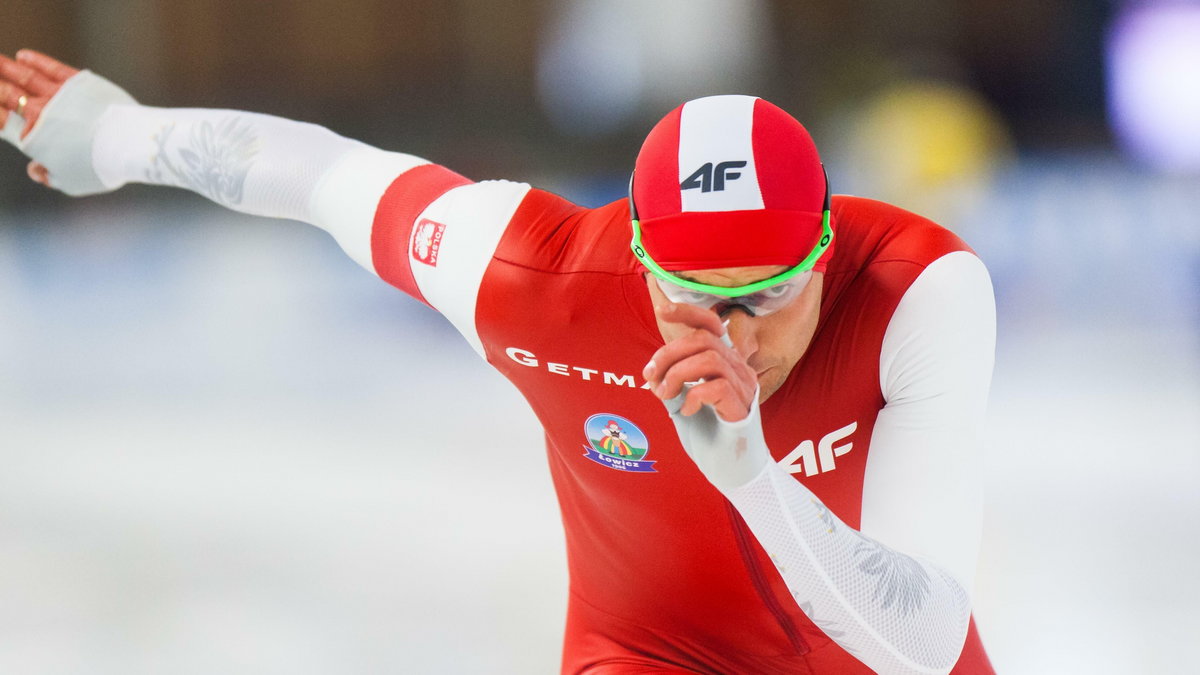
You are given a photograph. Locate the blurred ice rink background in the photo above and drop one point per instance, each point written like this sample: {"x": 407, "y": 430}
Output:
{"x": 226, "y": 448}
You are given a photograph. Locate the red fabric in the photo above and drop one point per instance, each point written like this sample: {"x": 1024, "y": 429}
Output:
{"x": 790, "y": 180}
{"x": 656, "y": 176}
{"x": 708, "y": 240}
{"x": 663, "y": 575}
{"x": 788, "y": 166}
{"x": 402, "y": 203}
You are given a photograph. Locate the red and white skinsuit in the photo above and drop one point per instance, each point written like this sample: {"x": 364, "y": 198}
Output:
{"x": 879, "y": 419}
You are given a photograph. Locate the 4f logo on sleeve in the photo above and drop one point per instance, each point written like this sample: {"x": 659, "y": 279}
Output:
{"x": 427, "y": 240}
{"x": 805, "y": 456}
{"x": 712, "y": 179}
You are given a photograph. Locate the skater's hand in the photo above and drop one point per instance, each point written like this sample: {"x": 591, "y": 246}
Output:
{"x": 704, "y": 353}
{"x": 53, "y": 113}
{"x": 37, "y": 78}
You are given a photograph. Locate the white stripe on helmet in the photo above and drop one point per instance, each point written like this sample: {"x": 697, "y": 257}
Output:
{"x": 714, "y": 138}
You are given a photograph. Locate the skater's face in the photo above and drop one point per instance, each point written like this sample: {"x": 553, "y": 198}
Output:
{"x": 771, "y": 344}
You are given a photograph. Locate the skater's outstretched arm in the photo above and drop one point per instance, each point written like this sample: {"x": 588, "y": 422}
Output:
{"x": 86, "y": 135}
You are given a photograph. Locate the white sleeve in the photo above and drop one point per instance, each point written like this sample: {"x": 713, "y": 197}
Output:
{"x": 94, "y": 137}
{"x": 269, "y": 166}
{"x": 253, "y": 163}
{"x": 896, "y": 593}
{"x": 923, "y": 488}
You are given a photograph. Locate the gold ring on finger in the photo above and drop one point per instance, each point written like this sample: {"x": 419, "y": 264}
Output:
{"x": 21, "y": 101}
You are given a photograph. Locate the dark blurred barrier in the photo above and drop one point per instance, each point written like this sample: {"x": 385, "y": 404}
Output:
{"x": 455, "y": 79}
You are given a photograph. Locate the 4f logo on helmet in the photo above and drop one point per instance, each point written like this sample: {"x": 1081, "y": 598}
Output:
{"x": 712, "y": 179}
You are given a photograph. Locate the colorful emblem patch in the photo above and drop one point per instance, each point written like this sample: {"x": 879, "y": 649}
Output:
{"x": 427, "y": 241}
{"x": 617, "y": 443}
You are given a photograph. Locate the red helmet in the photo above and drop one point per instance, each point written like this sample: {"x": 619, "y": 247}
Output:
{"x": 729, "y": 181}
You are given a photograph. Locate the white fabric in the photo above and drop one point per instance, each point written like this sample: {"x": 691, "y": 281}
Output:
{"x": 714, "y": 130}
{"x": 13, "y": 126}
{"x": 708, "y": 439}
{"x": 474, "y": 217}
{"x": 270, "y": 166}
{"x": 248, "y": 162}
{"x": 923, "y": 488}
{"x": 895, "y": 613}
{"x": 897, "y": 593}
{"x": 93, "y": 137}
{"x": 62, "y": 139}
{"x": 345, "y": 200}
{"x": 253, "y": 163}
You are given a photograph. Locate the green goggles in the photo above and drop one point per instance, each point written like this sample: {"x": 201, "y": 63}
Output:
{"x": 731, "y": 291}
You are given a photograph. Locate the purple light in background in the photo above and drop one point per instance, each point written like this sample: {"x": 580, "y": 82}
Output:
{"x": 1154, "y": 84}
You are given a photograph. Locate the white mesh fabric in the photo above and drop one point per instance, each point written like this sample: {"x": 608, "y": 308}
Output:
{"x": 895, "y": 613}
{"x": 253, "y": 163}
{"x": 248, "y": 162}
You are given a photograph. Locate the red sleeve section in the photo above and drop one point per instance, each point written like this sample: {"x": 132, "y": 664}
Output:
{"x": 391, "y": 232}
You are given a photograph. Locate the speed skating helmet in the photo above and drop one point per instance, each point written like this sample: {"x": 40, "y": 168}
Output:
{"x": 730, "y": 181}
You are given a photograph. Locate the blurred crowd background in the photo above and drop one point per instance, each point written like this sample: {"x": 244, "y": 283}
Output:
{"x": 225, "y": 448}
